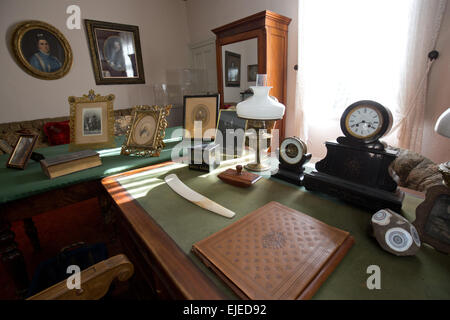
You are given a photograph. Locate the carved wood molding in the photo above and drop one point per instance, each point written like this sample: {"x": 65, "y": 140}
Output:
{"x": 95, "y": 281}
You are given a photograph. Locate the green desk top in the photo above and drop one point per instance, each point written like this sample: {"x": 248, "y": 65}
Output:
{"x": 17, "y": 184}
{"x": 424, "y": 276}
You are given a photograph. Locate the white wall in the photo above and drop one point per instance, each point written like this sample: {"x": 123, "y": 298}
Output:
{"x": 205, "y": 15}
{"x": 164, "y": 42}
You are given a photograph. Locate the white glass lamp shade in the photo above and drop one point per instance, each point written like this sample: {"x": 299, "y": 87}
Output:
{"x": 443, "y": 124}
{"x": 260, "y": 106}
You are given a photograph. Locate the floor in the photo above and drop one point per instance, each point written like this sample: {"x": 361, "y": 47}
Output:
{"x": 58, "y": 229}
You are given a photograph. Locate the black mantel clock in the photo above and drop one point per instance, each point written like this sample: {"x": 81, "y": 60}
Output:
{"x": 293, "y": 157}
{"x": 356, "y": 168}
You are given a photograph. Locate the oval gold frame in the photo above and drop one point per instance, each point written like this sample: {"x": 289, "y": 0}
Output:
{"x": 21, "y": 29}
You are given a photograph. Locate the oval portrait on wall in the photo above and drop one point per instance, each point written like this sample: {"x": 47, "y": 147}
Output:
{"x": 41, "y": 50}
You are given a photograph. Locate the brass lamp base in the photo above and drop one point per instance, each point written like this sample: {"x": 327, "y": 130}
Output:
{"x": 256, "y": 167}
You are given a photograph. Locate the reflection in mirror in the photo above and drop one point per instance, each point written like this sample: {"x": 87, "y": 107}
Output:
{"x": 238, "y": 59}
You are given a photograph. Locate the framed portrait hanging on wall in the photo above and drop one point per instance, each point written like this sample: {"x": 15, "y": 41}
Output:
{"x": 41, "y": 50}
{"x": 232, "y": 69}
{"x": 115, "y": 51}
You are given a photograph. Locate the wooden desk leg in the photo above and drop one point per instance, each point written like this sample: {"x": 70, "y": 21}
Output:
{"x": 108, "y": 211}
{"x": 106, "y": 205}
{"x": 12, "y": 259}
{"x": 31, "y": 231}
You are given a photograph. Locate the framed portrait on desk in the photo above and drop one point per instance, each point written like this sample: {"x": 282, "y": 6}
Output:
{"x": 232, "y": 129}
{"x": 91, "y": 121}
{"x": 22, "y": 151}
{"x": 147, "y": 130}
{"x": 201, "y": 111}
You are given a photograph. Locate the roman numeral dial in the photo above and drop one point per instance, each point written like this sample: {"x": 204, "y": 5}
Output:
{"x": 366, "y": 121}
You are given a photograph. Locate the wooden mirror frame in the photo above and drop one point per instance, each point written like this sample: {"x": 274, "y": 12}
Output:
{"x": 271, "y": 31}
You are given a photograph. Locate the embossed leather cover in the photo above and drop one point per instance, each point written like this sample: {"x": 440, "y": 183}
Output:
{"x": 274, "y": 252}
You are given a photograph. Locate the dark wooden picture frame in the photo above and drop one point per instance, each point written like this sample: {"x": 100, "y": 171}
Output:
{"x": 252, "y": 71}
{"x": 41, "y": 50}
{"x": 432, "y": 218}
{"x": 19, "y": 157}
{"x": 203, "y": 108}
{"x": 228, "y": 119}
{"x": 115, "y": 51}
{"x": 232, "y": 69}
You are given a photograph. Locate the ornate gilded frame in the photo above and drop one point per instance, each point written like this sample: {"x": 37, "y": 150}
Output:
{"x": 78, "y": 139}
{"x": 91, "y": 26}
{"x": 152, "y": 149}
{"x": 18, "y": 35}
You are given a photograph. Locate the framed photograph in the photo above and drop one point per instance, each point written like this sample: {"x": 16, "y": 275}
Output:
{"x": 91, "y": 121}
{"x": 115, "y": 52}
{"x": 233, "y": 139}
{"x": 202, "y": 110}
{"x": 232, "y": 69}
{"x": 22, "y": 151}
{"x": 146, "y": 133}
{"x": 41, "y": 50}
{"x": 432, "y": 218}
{"x": 252, "y": 71}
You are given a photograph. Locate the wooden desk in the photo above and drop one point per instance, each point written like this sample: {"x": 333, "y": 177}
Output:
{"x": 158, "y": 228}
{"x": 27, "y": 193}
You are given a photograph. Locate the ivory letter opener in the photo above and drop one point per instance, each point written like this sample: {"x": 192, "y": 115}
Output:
{"x": 179, "y": 187}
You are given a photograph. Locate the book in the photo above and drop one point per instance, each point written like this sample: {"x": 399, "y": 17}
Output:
{"x": 69, "y": 163}
{"x": 274, "y": 252}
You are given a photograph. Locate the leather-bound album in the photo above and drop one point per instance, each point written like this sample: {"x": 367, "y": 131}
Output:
{"x": 274, "y": 252}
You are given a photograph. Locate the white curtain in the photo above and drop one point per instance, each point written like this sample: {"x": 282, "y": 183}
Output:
{"x": 352, "y": 50}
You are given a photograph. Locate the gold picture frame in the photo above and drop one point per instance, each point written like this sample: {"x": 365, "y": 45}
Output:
{"x": 91, "y": 121}
{"x": 41, "y": 50}
{"x": 147, "y": 130}
{"x": 22, "y": 151}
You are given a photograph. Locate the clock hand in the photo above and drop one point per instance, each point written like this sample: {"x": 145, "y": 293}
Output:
{"x": 357, "y": 124}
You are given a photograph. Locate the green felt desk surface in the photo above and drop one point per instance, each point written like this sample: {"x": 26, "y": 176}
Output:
{"x": 17, "y": 184}
{"x": 424, "y": 276}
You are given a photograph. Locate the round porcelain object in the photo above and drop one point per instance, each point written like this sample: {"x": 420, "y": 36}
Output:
{"x": 260, "y": 106}
{"x": 395, "y": 233}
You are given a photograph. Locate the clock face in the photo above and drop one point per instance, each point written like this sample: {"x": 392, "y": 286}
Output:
{"x": 144, "y": 130}
{"x": 366, "y": 121}
{"x": 363, "y": 121}
{"x": 292, "y": 150}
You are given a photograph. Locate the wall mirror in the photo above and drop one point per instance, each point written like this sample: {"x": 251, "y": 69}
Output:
{"x": 259, "y": 43}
